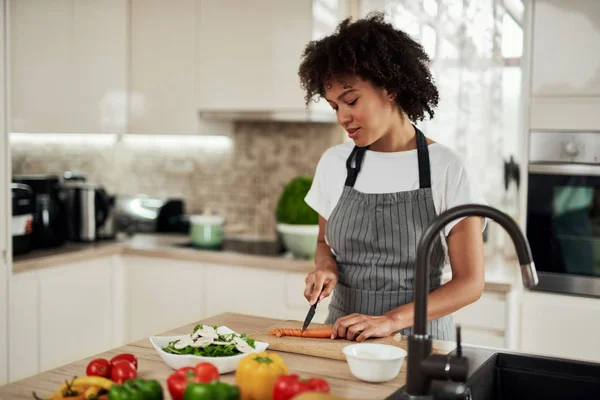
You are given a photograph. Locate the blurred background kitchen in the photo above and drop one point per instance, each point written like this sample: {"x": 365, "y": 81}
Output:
{"x": 184, "y": 119}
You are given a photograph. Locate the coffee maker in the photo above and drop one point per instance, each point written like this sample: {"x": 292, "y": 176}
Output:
{"x": 49, "y": 214}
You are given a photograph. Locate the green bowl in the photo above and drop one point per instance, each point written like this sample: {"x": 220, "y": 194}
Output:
{"x": 301, "y": 240}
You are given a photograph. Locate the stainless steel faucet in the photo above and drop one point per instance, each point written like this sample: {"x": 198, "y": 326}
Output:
{"x": 423, "y": 367}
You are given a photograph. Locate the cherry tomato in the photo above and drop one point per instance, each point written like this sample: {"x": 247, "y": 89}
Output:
{"x": 206, "y": 372}
{"x": 122, "y": 370}
{"x": 127, "y": 357}
{"x": 99, "y": 367}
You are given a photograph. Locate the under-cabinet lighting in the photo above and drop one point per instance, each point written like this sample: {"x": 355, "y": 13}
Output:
{"x": 104, "y": 139}
{"x": 141, "y": 141}
{"x": 215, "y": 142}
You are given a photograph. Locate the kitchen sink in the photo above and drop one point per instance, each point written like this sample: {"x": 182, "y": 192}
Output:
{"x": 500, "y": 375}
{"x": 518, "y": 376}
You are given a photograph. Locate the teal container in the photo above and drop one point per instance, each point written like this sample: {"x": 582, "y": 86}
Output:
{"x": 206, "y": 231}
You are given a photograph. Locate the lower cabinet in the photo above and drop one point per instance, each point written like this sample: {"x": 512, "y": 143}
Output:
{"x": 560, "y": 326}
{"x": 486, "y": 321}
{"x": 163, "y": 294}
{"x": 75, "y": 311}
{"x": 24, "y": 326}
{"x": 240, "y": 289}
{"x": 59, "y": 315}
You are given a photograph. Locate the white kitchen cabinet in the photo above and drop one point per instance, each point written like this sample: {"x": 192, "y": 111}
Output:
{"x": 560, "y": 325}
{"x": 68, "y": 66}
{"x": 487, "y": 321}
{"x": 163, "y": 58}
{"x": 563, "y": 64}
{"x": 250, "y": 53}
{"x": 566, "y": 48}
{"x": 76, "y": 311}
{"x": 24, "y": 325}
{"x": 240, "y": 289}
{"x": 164, "y": 294}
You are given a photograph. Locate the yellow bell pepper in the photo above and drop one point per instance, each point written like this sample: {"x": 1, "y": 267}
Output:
{"x": 256, "y": 375}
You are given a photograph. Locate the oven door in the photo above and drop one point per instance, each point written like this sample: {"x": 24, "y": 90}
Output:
{"x": 563, "y": 227}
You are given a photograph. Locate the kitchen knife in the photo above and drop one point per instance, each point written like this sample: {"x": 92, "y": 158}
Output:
{"x": 309, "y": 316}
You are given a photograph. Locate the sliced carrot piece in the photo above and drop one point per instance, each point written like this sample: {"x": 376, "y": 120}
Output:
{"x": 309, "y": 333}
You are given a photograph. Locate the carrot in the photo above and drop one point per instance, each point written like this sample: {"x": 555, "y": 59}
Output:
{"x": 309, "y": 333}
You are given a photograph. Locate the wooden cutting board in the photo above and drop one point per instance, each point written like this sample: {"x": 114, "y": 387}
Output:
{"x": 324, "y": 348}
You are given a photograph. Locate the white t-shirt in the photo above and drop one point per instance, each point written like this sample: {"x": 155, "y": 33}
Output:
{"x": 391, "y": 172}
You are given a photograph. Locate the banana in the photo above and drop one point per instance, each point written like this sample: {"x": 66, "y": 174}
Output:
{"x": 92, "y": 392}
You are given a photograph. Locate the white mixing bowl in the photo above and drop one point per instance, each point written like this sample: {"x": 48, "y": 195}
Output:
{"x": 372, "y": 362}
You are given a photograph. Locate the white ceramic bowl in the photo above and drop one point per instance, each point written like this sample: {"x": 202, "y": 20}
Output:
{"x": 373, "y": 362}
{"x": 301, "y": 240}
{"x": 223, "y": 364}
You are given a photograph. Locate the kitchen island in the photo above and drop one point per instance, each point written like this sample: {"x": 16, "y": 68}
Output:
{"x": 151, "y": 366}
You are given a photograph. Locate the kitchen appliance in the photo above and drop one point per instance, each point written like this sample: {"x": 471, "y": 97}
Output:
{"x": 87, "y": 206}
{"x": 49, "y": 217}
{"x": 145, "y": 214}
{"x": 563, "y": 211}
{"x": 23, "y": 209}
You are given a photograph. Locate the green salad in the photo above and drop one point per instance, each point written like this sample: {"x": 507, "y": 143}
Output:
{"x": 205, "y": 341}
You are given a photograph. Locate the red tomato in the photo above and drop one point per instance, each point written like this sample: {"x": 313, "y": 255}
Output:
{"x": 127, "y": 357}
{"x": 206, "y": 372}
{"x": 122, "y": 370}
{"x": 99, "y": 367}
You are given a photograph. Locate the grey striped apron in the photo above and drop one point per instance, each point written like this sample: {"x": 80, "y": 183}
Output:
{"x": 374, "y": 238}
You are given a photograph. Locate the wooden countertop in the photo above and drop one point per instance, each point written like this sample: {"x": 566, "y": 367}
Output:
{"x": 500, "y": 275}
{"x": 342, "y": 382}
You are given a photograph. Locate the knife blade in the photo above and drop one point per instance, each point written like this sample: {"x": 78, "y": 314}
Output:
{"x": 309, "y": 316}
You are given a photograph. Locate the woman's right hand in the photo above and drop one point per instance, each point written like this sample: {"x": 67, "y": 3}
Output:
{"x": 320, "y": 283}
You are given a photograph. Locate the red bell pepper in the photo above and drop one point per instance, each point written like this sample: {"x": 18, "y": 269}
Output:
{"x": 288, "y": 386}
{"x": 202, "y": 373}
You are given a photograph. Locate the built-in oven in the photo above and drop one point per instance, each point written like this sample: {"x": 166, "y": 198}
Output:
{"x": 563, "y": 211}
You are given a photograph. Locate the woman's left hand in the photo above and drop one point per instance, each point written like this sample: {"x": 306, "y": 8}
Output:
{"x": 360, "y": 327}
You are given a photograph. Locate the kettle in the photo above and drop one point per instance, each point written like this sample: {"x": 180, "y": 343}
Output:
{"x": 86, "y": 206}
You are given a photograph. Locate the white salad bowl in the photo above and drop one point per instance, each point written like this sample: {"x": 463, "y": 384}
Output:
{"x": 223, "y": 364}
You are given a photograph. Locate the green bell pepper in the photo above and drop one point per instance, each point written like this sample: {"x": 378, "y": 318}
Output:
{"x": 136, "y": 389}
{"x": 215, "y": 390}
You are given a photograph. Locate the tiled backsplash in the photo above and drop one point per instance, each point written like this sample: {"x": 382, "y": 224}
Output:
{"x": 243, "y": 181}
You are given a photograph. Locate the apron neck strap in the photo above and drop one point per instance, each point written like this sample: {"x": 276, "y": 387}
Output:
{"x": 358, "y": 154}
{"x": 423, "y": 154}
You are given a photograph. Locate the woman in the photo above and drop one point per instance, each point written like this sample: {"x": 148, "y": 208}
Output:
{"x": 377, "y": 193}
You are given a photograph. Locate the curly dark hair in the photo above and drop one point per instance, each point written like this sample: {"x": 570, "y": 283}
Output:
{"x": 374, "y": 50}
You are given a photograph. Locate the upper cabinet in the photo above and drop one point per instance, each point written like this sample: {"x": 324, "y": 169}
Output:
{"x": 68, "y": 63}
{"x": 564, "y": 49}
{"x": 157, "y": 67}
{"x": 162, "y": 69}
{"x": 250, "y": 52}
